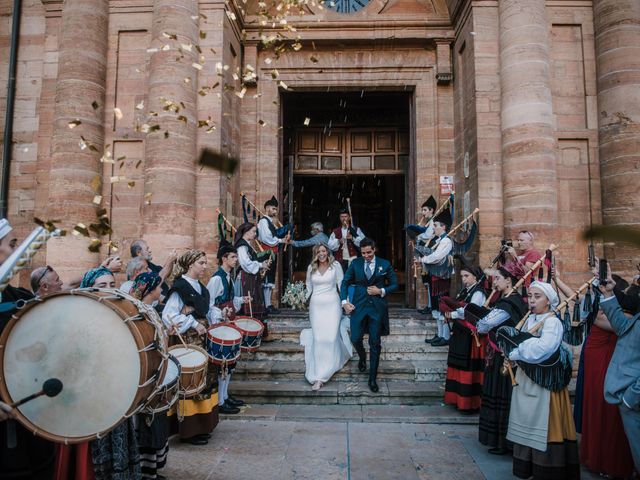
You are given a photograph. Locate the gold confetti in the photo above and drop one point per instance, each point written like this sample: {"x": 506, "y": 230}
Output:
{"x": 165, "y": 48}
{"x": 268, "y": 60}
{"x": 231, "y": 15}
{"x": 241, "y": 93}
{"x": 116, "y": 179}
{"x": 313, "y": 59}
{"x": 262, "y": 123}
{"x": 187, "y": 80}
{"x": 296, "y": 46}
{"x": 138, "y": 164}
{"x": 97, "y": 199}
{"x": 170, "y": 36}
{"x": 80, "y": 229}
{"x": 95, "y": 245}
{"x": 186, "y": 46}
{"x": 283, "y": 85}
{"x": 307, "y": 121}
{"x": 95, "y": 105}
{"x": 131, "y": 184}
{"x": 140, "y": 106}
{"x": 196, "y": 66}
{"x": 118, "y": 113}
{"x": 203, "y": 35}
{"x": 152, "y": 50}
{"x": 182, "y": 118}
{"x": 96, "y": 184}
{"x": 74, "y": 123}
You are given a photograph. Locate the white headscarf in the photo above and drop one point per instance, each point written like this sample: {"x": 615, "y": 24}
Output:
{"x": 5, "y": 228}
{"x": 548, "y": 291}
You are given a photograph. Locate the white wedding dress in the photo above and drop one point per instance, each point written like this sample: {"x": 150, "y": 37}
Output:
{"x": 327, "y": 346}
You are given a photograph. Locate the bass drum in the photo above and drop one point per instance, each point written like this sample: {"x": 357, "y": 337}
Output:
{"x": 108, "y": 349}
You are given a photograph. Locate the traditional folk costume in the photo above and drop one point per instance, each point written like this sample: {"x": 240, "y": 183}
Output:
{"x": 152, "y": 429}
{"x": 439, "y": 266}
{"x": 541, "y": 422}
{"x": 345, "y": 252}
{"x": 422, "y": 235}
{"x": 113, "y": 457}
{"x": 197, "y": 416}
{"x": 31, "y": 457}
{"x": 271, "y": 239}
{"x": 496, "y": 387}
{"x": 465, "y": 362}
{"x": 250, "y": 280}
{"x": 221, "y": 289}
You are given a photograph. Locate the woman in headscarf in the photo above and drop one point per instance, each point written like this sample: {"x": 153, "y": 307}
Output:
{"x": 541, "y": 422}
{"x": 113, "y": 457}
{"x": 250, "y": 273}
{"x": 496, "y": 388}
{"x": 187, "y": 311}
{"x": 465, "y": 362}
{"x": 153, "y": 430}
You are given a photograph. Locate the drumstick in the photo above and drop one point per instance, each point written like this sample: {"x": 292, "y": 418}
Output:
{"x": 182, "y": 340}
{"x": 475, "y": 336}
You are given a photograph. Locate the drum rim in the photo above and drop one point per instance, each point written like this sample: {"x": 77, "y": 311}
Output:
{"x": 245, "y": 331}
{"x": 224, "y": 341}
{"x": 139, "y": 399}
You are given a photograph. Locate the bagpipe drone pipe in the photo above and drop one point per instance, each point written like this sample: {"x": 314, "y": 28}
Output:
{"x": 252, "y": 214}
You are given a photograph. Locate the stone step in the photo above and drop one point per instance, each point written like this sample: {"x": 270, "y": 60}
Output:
{"x": 424, "y": 414}
{"x": 391, "y": 350}
{"x": 416, "y": 370}
{"x": 334, "y": 393}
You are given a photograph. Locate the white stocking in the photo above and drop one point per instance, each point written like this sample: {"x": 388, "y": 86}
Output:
{"x": 267, "y": 296}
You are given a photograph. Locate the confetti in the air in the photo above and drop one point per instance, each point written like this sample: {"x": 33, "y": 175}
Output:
{"x": 118, "y": 113}
{"x": 74, "y": 123}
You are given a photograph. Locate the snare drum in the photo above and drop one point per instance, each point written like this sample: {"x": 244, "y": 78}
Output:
{"x": 223, "y": 344}
{"x": 107, "y": 348}
{"x": 251, "y": 333}
{"x": 167, "y": 392}
{"x": 193, "y": 368}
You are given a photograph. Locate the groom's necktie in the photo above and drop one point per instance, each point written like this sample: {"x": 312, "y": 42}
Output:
{"x": 368, "y": 272}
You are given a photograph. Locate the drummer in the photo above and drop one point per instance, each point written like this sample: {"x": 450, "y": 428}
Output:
{"x": 153, "y": 430}
{"x": 541, "y": 424}
{"x": 223, "y": 306}
{"x": 32, "y": 457}
{"x": 187, "y": 311}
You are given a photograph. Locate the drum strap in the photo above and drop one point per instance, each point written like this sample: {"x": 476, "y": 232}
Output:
{"x": 9, "y": 306}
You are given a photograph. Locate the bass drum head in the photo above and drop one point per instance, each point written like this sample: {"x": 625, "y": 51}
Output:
{"x": 87, "y": 346}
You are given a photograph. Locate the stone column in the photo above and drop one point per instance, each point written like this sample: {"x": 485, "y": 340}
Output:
{"x": 617, "y": 39}
{"x": 170, "y": 151}
{"x": 528, "y": 140}
{"x": 80, "y": 92}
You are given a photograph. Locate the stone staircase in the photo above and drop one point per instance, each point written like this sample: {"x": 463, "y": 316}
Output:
{"x": 411, "y": 372}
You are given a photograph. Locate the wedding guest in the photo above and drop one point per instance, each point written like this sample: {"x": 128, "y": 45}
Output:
{"x": 45, "y": 281}
{"x": 622, "y": 382}
{"x": 318, "y": 237}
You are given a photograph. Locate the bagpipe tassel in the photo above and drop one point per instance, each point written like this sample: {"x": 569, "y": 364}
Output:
{"x": 574, "y": 335}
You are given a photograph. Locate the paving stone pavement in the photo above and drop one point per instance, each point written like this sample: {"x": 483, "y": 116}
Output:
{"x": 337, "y": 450}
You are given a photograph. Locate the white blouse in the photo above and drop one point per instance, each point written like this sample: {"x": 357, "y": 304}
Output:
{"x": 248, "y": 265}
{"x": 443, "y": 248}
{"x": 172, "y": 313}
{"x": 478, "y": 298}
{"x": 539, "y": 348}
{"x": 216, "y": 288}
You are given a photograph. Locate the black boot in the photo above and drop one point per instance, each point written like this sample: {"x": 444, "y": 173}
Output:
{"x": 425, "y": 311}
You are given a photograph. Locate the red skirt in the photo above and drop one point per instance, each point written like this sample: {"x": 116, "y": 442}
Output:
{"x": 604, "y": 447}
{"x": 465, "y": 370}
{"x": 74, "y": 462}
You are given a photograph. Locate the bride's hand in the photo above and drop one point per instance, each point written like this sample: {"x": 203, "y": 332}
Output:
{"x": 348, "y": 308}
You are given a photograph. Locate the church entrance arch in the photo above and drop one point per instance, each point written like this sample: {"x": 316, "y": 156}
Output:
{"x": 355, "y": 145}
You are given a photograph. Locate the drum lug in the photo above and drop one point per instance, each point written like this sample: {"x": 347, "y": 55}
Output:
{"x": 135, "y": 318}
{"x": 148, "y": 348}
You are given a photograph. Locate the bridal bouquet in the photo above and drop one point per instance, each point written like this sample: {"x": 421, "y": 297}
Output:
{"x": 295, "y": 295}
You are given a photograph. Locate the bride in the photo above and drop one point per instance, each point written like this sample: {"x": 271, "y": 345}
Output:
{"x": 327, "y": 344}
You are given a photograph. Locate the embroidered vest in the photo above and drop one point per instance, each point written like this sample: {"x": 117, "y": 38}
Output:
{"x": 227, "y": 294}
{"x": 353, "y": 250}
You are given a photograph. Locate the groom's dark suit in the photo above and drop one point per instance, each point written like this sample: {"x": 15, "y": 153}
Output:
{"x": 371, "y": 314}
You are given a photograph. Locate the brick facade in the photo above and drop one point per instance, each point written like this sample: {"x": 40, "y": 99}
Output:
{"x": 536, "y": 113}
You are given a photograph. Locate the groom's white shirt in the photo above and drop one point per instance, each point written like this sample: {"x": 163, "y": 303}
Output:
{"x": 373, "y": 269}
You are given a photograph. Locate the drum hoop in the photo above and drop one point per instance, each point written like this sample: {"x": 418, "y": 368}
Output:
{"x": 86, "y": 292}
{"x": 226, "y": 341}
{"x": 195, "y": 368}
{"x": 244, "y": 330}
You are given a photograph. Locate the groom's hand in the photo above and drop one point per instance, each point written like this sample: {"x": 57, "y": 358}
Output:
{"x": 373, "y": 291}
{"x": 348, "y": 307}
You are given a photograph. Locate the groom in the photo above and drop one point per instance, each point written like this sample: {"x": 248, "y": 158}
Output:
{"x": 373, "y": 279}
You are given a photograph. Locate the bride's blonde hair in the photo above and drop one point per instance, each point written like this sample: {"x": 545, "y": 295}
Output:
{"x": 315, "y": 263}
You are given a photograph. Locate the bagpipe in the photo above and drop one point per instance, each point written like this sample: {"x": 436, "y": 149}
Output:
{"x": 546, "y": 258}
{"x": 443, "y": 269}
{"x": 413, "y": 230}
{"x": 22, "y": 255}
{"x": 553, "y": 374}
{"x": 226, "y": 229}
{"x": 251, "y": 213}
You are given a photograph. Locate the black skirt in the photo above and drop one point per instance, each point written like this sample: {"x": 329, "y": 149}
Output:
{"x": 494, "y": 409}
